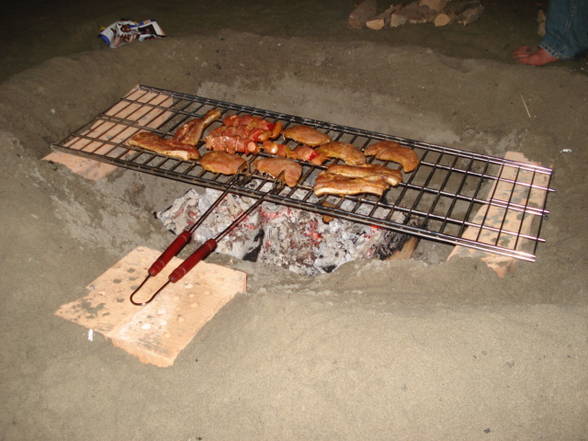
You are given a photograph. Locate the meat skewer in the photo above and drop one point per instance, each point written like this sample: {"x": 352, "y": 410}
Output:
{"x": 302, "y": 152}
{"x": 222, "y": 140}
{"x": 251, "y": 121}
{"x": 241, "y": 133}
{"x": 307, "y": 153}
{"x": 210, "y": 245}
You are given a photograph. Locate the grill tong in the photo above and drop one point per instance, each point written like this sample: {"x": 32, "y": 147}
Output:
{"x": 205, "y": 249}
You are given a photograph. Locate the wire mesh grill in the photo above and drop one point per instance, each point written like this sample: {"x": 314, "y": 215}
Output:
{"x": 454, "y": 196}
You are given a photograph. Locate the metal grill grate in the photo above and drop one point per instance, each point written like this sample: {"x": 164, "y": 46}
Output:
{"x": 454, "y": 196}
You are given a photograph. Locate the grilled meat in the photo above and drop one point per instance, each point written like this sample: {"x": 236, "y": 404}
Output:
{"x": 306, "y": 135}
{"x": 392, "y": 151}
{"x": 168, "y": 147}
{"x": 275, "y": 166}
{"x": 340, "y": 150}
{"x": 392, "y": 177}
{"x": 307, "y": 153}
{"x": 222, "y": 162}
{"x": 270, "y": 130}
{"x": 340, "y": 179}
{"x": 222, "y": 139}
{"x": 183, "y": 144}
{"x": 191, "y": 132}
{"x": 274, "y": 148}
{"x": 301, "y": 152}
{"x": 329, "y": 183}
{"x": 241, "y": 133}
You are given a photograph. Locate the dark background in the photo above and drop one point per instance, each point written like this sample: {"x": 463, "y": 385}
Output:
{"x": 34, "y": 31}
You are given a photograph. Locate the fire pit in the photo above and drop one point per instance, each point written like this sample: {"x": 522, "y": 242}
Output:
{"x": 298, "y": 240}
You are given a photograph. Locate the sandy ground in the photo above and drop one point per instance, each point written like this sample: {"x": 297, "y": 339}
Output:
{"x": 420, "y": 349}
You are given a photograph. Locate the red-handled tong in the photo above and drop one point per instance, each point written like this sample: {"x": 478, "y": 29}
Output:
{"x": 179, "y": 243}
{"x": 203, "y": 251}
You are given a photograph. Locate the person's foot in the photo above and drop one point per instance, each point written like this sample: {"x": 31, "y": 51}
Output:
{"x": 536, "y": 56}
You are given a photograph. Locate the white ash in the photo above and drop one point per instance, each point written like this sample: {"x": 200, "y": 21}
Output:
{"x": 297, "y": 240}
{"x": 187, "y": 209}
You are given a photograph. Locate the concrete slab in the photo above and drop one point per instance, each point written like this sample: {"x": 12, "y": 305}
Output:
{"x": 157, "y": 332}
{"x": 111, "y": 132}
{"x": 498, "y": 217}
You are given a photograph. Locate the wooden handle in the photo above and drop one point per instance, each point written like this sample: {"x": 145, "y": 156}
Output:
{"x": 173, "y": 249}
{"x": 200, "y": 254}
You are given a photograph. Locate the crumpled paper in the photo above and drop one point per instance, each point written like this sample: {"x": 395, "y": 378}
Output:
{"x": 123, "y": 32}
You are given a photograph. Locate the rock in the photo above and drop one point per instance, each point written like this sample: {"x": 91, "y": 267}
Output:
{"x": 435, "y": 5}
{"x": 415, "y": 13}
{"x": 362, "y": 12}
{"x": 397, "y": 20}
{"x": 442, "y": 20}
{"x": 381, "y": 20}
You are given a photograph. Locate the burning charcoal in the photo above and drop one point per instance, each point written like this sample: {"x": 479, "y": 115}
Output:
{"x": 294, "y": 239}
{"x": 187, "y": 209}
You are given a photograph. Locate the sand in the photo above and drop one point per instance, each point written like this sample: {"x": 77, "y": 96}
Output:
{"x": 420, "y": 349}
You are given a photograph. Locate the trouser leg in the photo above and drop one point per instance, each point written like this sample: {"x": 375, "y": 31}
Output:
{"x": 566, "y": 29}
